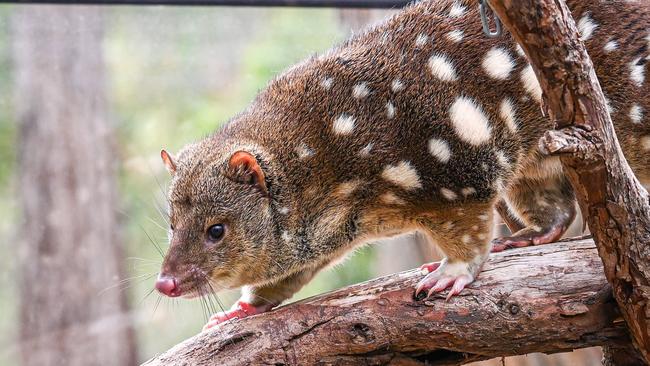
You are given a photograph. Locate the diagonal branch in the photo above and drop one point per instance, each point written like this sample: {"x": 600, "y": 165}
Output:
{"x": 614, "y": 202}
{"x": 551, "y": 298}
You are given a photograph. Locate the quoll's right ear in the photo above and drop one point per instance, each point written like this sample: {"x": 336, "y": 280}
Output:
{"x": 168, "y": 161}
{"x": 244, "y": 168}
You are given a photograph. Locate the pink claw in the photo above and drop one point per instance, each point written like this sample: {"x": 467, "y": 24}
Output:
{"x": 439, "y": 281}
{"x": 459, "y": 285}
{"x": 442, "y": 284}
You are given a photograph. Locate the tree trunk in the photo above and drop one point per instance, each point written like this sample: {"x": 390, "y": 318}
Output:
{"x": 614, "y": 202}
{"x": 70, "y": 249}
{"x": 551, "y": 298}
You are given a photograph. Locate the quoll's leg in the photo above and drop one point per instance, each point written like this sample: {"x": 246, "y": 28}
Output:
{"x": 545, "y": 207}
{"x": 260, "y": 299}
{"x": 464, "y": 237}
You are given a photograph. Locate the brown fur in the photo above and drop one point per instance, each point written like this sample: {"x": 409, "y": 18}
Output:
{"x": 328, "y": 192}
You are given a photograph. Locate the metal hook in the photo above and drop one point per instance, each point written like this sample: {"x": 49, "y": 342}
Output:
{"x": 484, "y": 21}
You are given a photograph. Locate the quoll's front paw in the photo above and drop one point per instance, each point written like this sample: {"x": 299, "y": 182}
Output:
{"x": 240, "y": 310}
{"x": 442, "y": 275}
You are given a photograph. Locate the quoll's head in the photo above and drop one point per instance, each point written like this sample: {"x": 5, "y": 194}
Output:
{"x": 220, "y": 221}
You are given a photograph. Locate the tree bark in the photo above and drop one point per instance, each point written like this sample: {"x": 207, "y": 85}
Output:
{"x": 611, "y": 198}
{"x": 551, "y": 298}
{"x": 70, "y": 248}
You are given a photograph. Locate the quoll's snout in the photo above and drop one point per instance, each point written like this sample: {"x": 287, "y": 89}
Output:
{"x": 168, "y": 285}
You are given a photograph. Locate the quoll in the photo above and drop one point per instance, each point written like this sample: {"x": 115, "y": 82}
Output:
{"x": 418, "y": 124}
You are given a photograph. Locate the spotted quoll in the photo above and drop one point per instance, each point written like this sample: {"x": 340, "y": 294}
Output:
{"x": 418, "y": 124}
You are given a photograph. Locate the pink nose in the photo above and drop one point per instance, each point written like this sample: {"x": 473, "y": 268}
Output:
{"x": 167, "y": 285}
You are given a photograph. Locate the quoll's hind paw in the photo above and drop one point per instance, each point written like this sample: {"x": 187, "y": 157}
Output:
{"x": 443, "y": 275}
{"x": 527, "y": 237}
{"x": 240, "y": 310}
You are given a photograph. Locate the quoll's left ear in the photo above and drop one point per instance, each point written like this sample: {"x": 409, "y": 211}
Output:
{"x": 168, "y": 160}
{"x": 244, "y": 168}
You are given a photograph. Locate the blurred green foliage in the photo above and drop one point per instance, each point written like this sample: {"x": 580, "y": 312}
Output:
{"x": 279, "y": 38}
{"x": 174, "y": 76}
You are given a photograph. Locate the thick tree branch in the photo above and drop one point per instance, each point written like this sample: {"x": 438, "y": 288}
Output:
{"x": 613, "y": 201}
{"x": 551, "y": 298}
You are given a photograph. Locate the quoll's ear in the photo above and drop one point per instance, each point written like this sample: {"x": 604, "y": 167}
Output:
{"x": 168, "y": 161}
{"x": 244, "y": 168}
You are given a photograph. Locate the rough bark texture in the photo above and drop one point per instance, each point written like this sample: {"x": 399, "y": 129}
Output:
{"x": 613, "y": 201}
{"x": 550, "y": 298}
{"x": 70, "y": 250}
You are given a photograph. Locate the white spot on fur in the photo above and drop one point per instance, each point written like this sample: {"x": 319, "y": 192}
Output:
{"x": 390, "y": 110}
{"x": 466, "y": 238}
{"x": 481, "y": 236}
{"x": 637, "y": 72}
{"x": 498, "y": 63}
{"x": 390, "y": 198}
{"x": 326, "y": 82}
{"x": 346, "y": 189}
{"x": 344, "y": 124}
{"x": 403, "y": 175}
{"x": 448, "y": 225}
{"x": 366, "y": 150}
{"x": 457, "y": 10}
{"x": 531, "y": 84}
{"x": 286, "y": 236}
{"x": 442, "y": 68}
{"x": 483, "y": 217}
{"x": 507, "y": 113}
{"x": 502, "y": 159}
{"x": 645, "y": 143}
{"x": 440, "y": 150}
{"x": 421, "y": 40}
{"x": 498, "y": 185}
{"x": 520, "y": 51}
{"x": 610, "y": 46}
{"x": 468, "y": 191}
{"x": 303, "y": 151}
{"x": 586, "y": 26}
{"x": 396, "y": 85}
{"x": 469, "y": 121}
{"x": 448, "y": 194}
{"x": 636, "y": 113}
{"x": 360, "y": 90}
{"x": 455, "y": 36}
{"x": 283, "y": 210}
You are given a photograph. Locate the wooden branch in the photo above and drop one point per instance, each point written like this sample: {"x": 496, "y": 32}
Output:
{"x": 613, "y": 201}
{"x": 551, "y": 298}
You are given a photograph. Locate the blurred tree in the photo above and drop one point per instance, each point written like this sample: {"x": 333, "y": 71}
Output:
{"x": 71, "y": 249}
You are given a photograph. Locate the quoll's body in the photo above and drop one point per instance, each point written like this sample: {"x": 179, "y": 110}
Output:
{"x": 421, "y": 123}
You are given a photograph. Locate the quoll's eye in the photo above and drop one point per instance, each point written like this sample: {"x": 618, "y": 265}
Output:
{"x": 215, "y": 232}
